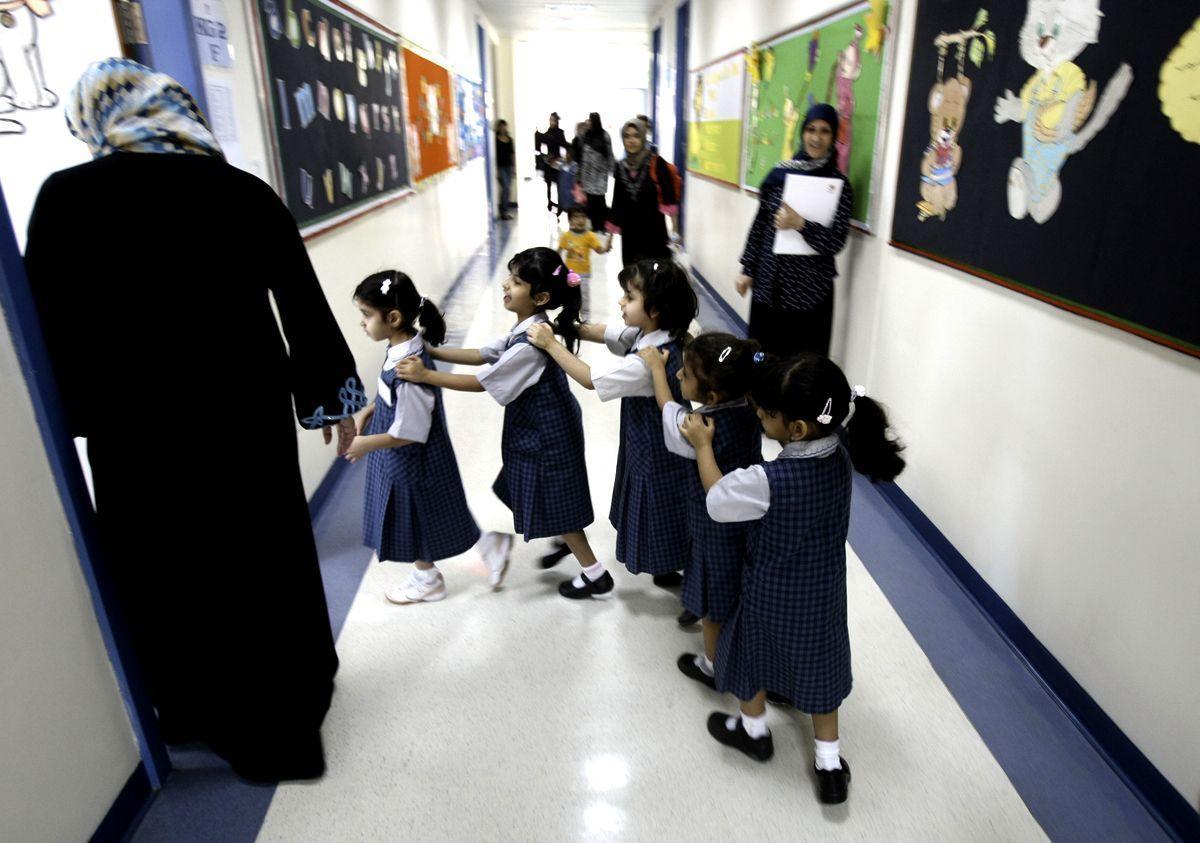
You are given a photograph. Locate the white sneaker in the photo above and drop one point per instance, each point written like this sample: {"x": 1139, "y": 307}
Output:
{"x": 417, "y": 590}
{"x": 496, "y": 554}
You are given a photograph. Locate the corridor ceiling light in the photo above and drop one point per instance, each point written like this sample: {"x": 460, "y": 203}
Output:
{"x": 570, "y": 10}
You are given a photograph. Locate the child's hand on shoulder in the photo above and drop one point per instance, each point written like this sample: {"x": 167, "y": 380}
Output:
{"x": 654, "y": 358}
{"x": 358, "y": 449}
{"x": 540, "y": 335}
{"x": 411, "y": 369}
{"x": 698, "y": 430}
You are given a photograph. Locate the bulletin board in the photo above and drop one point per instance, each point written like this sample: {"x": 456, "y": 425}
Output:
{"x": 714, "y": 126}
{"x": 34, "y": 139}
{"x": 332, "y": 76}
{"x": 840, "y": 60}
{"x": 1047, "y": 151}
{"x": 432, "y": 141}
{"x": 472, "y": 119}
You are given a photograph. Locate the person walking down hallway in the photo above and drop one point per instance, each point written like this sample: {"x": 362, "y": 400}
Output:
{"x": 791, "y": 307}
{"x": 554, "y": 142}
{"x": 646, "y": 193}
{"x": 505, "y": 167}
{"x": 595, "y": 169}
{"x": 133, "y": 259}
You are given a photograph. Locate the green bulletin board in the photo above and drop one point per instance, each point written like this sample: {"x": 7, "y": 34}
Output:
{"x": 839, "y": 60}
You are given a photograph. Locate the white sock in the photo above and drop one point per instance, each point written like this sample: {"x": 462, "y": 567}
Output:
{"x": 828, "y": 755}
{"x": 756, "y": 727}
{"x": 427, "y": 576}
{"x": 706, "y": 667}
{"x": 594, "y": 572}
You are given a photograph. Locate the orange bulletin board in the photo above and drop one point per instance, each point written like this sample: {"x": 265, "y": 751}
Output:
{"x": 432, "y": 140}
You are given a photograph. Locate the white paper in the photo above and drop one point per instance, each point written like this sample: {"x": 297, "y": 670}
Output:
{"x": 816, "y": 199}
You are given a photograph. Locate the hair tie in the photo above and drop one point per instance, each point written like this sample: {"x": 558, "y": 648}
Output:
{"x": 557, "y": 270}
{"x": 724, "y": 354}
{"x": 385, "y": 286}
{"x": 759, "y": 356}
{"x": 857, "y": 391}
{"x": 825, "y": 418}
{"x": 573, "y": 279}
{"x": 424, "y": 301}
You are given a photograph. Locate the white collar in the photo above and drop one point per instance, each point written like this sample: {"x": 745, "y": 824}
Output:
{"x": 408, "y": 348}
{"x": 805, "y": 448}
{"x": 653, "y": 339}
{"x": 525, "y": 324}
{"x": 724, "y": 405}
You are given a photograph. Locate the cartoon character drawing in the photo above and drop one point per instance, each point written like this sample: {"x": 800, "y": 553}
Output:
{"x": 698, "y": 99}
{"x": 943, "y": 156}
{"x": 877, "y": 28}
{"x": 847, "y": 69}
{"x": 431, "y": 105}
{"x": 1057, "y": 108}
{"x": 22, "y": 80}
{"x": 791, "y": 121}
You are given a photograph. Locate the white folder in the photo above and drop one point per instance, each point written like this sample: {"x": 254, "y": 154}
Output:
{"x": 816, "y": 199}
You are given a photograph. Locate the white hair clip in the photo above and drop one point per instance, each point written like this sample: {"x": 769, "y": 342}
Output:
{"x": 825, "y": 418}
{"x": 857, "y": 391}
{"x": 728, "y": 350}
{"x": 385, "y": 286}
{"x": 655, "y": 267}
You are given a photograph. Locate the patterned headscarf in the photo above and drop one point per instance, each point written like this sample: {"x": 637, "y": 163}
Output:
{"x": 119, "y": 105}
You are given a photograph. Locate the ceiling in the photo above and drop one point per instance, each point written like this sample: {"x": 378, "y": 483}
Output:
{"x": 607, "y": 15}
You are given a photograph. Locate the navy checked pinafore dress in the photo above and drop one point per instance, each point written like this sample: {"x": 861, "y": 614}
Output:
{"x": 789, "y": 632}
{"x": 415, "y": 504}
{"x": 544, "y": 476}
{"x": 713, "y": 579}
{"x": 648, "y": 507}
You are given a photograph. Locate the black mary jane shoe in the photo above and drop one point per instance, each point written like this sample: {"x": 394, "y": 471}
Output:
{"x": 600, "y": 589}
{"x": 688, "y": 667}
{"x": 671, "y": 579}
{"x": 556, "y": 555}
{"x": 833, "y": 786}
{"x": 760, "y": 749}
{"x": 687, "y": 619}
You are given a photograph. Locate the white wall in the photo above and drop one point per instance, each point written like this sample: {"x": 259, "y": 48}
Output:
{"x": 65, "y": 738}
{"x": 1056, "y": 453}
{"x": 431, "y": 235}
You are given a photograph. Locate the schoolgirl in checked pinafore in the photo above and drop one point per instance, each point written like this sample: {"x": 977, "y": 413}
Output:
{"x": 543, "y": 479}
{"x": 415, "y": 505}
{"x": 648, "y": 511}
{"x": 713, "y": 579}
{"x": 789, "y": 632}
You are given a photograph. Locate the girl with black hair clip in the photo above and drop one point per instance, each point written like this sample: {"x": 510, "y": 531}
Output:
{"x": 543, "y": 479}
{"x": 716, "y": 374}
{"x": 789, "y": 633}
{"x": 416, "y": 510}
{"x": 657, "y": 307}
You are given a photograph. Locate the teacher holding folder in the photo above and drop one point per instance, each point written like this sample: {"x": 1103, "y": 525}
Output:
{"x": 792, "y": 305}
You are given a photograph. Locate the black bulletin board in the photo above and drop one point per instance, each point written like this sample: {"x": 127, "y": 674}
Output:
{"x": 321, "y": 60}
{"x": 1122, "y": 245}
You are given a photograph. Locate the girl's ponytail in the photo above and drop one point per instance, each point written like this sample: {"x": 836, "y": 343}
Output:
{"x": 566, "y": 324}
{"x": 873, "y": 452}
{"x": 433, "y": 324}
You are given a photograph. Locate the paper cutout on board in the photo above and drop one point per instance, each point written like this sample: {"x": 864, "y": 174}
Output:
{"x": 849, "y": 68}
{"x": 948, "y": 99}
{"x": 323, "y": 38}
{"x": 1057, "y": 108}
{"x": 22, "y": 81}
{"x": 877, "y": 28}
{"x": 1179, "y": 85}
{"x": 293, "y": 26}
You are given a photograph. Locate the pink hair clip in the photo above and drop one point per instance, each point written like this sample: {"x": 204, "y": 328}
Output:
{"x": 573, "y": 279}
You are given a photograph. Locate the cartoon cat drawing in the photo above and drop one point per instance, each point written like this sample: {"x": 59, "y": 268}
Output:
{"x": 1057, "y": 108}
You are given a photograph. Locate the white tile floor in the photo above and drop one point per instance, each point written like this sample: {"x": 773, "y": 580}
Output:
{"x": 517, "y": 715}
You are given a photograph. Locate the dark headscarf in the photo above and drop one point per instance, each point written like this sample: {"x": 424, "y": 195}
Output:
{"x": 803, "y": 162}
{"x": 594, "y": 136}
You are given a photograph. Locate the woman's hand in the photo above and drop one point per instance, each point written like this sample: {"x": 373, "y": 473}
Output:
{"x": 743, "y": 284}
{"x": 787, "y": 219}
{"x": 698, "y": 430}
{"x": 358, "y": 449}
{"x": 541, "y": 335}
{"x": 412, "y": 369}
{"x": 654, "y": 358}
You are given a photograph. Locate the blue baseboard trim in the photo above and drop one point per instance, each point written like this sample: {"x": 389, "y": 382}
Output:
{"x": 130, "y": 806}
{"x": 1168, "y": 807}
{"x": 732, "y": 315}
{"x": 321, "y": 497}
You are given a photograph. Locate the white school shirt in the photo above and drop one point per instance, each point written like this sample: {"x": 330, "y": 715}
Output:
{"x": 745, "y": 495}
{"x": 414, "y": 402}
{"x": 512, "y": 370}
{"x": 673, "y": 414}
{"x": 628, "y": 377}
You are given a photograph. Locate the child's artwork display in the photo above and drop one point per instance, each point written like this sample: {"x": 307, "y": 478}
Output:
{"x": 1045, "y": 150}
{"x": 333, "y": 82}
{"x": 714, "y": 125}
{"x": 472, "y": 120}
{"x": 44, "y": 48}
{"x": 432, "y": 142}
{"x": 839, "y": 60}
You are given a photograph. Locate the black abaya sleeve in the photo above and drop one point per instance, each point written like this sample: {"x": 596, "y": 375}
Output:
{"x": 323, "y": 379}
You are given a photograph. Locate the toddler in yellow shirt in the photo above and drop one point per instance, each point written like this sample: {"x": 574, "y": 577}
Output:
{"x": 576, "y": 245}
